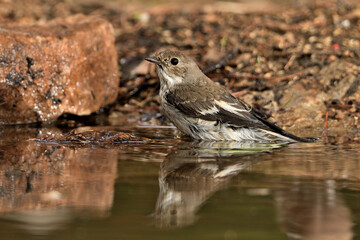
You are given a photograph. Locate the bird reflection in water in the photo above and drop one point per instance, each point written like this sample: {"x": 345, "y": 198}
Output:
{"x": 188, "y": 177}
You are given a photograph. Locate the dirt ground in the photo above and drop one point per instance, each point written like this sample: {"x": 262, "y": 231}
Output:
{"x": 297, "y": 62}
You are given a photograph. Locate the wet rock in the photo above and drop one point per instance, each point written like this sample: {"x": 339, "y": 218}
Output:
{"x": 68, "y": 65}
{"x": 94, "y": 137}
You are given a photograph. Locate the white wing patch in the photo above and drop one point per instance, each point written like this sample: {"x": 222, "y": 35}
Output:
{"x": 229, "y": 107}
{"x": 212, "y": 110}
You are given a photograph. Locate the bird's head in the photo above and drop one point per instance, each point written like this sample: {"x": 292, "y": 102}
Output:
{"x": 175, "y": 68}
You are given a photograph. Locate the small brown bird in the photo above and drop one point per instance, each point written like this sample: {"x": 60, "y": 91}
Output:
{"x": 204, "y": 110}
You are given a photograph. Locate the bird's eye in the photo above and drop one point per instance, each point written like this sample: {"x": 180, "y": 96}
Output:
{"x": 174, "y": 61}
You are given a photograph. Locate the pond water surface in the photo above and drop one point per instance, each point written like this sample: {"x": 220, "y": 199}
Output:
{"x": 173, "y": 188}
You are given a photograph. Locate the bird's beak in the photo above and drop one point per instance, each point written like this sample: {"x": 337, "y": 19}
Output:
{"x": 153, "y": 60}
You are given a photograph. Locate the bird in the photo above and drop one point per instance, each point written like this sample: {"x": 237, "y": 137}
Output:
{"x": 205, "y": 110}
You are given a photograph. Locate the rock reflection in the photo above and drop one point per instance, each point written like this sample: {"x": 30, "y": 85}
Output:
{"x": 188, "y": 177}
{"x": 314, "y": 212}
{"x": 42, "y": 181}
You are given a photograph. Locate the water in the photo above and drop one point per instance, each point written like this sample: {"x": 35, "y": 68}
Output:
{"x": 173, "y": 188}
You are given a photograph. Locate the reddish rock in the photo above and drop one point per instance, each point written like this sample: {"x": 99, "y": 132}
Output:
{"x": 66, "y": 66}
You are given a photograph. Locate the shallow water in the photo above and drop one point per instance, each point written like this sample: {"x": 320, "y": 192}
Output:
{"x": 176, "y": 189}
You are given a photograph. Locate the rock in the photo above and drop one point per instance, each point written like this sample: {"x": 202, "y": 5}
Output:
{"x": 93, "y": 138}
{"x": 302, "y": 108}
{"x": 340, "y": 79}
{"x": 68, "y": 65}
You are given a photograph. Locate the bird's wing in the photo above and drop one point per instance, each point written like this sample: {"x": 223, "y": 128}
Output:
{"x": 213, "y": 104}
{"x": 217, "y": 104}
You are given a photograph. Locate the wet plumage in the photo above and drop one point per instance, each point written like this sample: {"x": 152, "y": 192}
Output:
{"x": 204, "y": 110}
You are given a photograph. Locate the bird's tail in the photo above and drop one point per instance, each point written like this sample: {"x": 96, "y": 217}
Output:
{"x": 279, "y": 131}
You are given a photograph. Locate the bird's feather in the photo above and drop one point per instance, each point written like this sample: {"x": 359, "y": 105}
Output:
{"x": 221, "y": 107}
